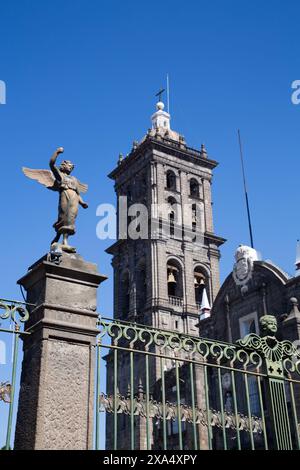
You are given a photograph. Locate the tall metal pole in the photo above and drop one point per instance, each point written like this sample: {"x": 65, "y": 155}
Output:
{"x": 245, "y": 190}
{"x": 168, "y": 94}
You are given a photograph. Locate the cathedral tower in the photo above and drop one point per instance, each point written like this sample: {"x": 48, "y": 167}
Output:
{"x": 165, "y": 261}
{"x": 167, "y": 254}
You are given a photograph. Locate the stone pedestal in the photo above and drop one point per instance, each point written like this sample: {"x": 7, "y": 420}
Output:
{"x": 56, "y": 401}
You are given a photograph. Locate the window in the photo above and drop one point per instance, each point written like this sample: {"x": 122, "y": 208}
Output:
{"x": 194, "y": 188}
{"x": 248, "y": 324}
{"x": 194, "y": 212}
{"x": 171, "y": 180}
{"x": 200, "y": 283}
{"x": 172, "y": 282}
{"x": 160, "y": 227}
{"x": 194, "y": 217}
{"x": 171, "y": 222}
{"x": 174, "y": 217}
{"x": 174, "y": 279}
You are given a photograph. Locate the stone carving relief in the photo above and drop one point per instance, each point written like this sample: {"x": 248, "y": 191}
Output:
{"x": 243, "y": 267}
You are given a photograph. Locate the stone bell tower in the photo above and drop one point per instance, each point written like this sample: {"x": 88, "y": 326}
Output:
{"x": 166, "y": 258}
{"x": 167, "y": 254}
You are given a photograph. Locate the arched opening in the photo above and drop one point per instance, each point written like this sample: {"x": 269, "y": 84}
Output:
{"x": 172, "y": 216}
{"x": 172, "y": 223}
{"x": 171, "y": 180}
{"x": 174, "y": 280}
{"x": 194, "y": 188}
{"x": 201, "y": 282}
{"x": 194, "y": 217}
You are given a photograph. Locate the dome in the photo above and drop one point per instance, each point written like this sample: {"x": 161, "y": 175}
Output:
{"x": 160, "y": 106}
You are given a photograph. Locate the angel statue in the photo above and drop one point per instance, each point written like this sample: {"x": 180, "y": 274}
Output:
{"x": 69, "y": 188}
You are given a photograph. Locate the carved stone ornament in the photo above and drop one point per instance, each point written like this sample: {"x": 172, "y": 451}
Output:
{"x": 243, "y": 267}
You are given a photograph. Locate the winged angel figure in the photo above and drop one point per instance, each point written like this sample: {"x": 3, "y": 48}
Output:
{"x": 69, "y": 188}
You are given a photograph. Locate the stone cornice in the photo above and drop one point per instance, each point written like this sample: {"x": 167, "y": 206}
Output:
{"x": 169, "y": 147}
{"x": 212, "y": 238}
{"x": 53, "y": 270}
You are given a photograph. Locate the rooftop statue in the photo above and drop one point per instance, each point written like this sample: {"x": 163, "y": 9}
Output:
{"x": 69, "y": 188}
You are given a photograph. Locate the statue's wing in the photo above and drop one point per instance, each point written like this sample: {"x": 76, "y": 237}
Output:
{"x": 44, "y": 177}
{"x": 82, "y": 187}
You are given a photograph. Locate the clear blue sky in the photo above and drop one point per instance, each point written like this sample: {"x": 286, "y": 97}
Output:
{"x": 83, "y": 75}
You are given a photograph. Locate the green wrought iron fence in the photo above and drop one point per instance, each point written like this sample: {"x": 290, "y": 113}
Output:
{"x": 160, "y": 389}
{"x": 166, "y": 390}
{"x": 12, "y": 315}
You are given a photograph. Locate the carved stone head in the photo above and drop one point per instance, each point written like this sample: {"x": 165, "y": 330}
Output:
{"x": 268, "y": 325}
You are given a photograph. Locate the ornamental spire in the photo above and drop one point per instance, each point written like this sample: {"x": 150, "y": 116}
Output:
{"x": 205, "y": 306}
{"x": 160, "y": 119}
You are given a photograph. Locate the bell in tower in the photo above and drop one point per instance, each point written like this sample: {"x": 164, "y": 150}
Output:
{"x": 199, "y": 284}
{"x": 172, "y": 283}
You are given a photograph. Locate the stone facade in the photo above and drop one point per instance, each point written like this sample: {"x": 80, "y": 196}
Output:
{"x": 142, "y": 178}
{"x": 173, "y": 182}
{"x": 269, "y": 291}
{"x": 239, "y": 305}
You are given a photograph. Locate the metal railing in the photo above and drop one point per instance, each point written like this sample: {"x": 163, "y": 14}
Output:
{"x": 12, "y": 315}
{"x": 166, "y": 390}
{"x": 160, "y": 389}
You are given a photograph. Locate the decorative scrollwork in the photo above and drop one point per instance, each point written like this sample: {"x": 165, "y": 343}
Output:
{"x": 5, "y": 392}
{"x": 169, "y": 343}
{"x": 15, "y": 311}
{"x": 278, "y": 355}
{"x": 270, "y": 347}
{"x": 248, "y": 353}
{"x": 123, "y": 405}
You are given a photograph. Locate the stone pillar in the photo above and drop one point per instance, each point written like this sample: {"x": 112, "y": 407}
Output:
{"x": 209, "y": 227}
{"x": 56, "y": 401}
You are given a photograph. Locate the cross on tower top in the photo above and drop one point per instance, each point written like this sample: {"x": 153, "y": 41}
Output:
{"x": 161, "y": 91}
